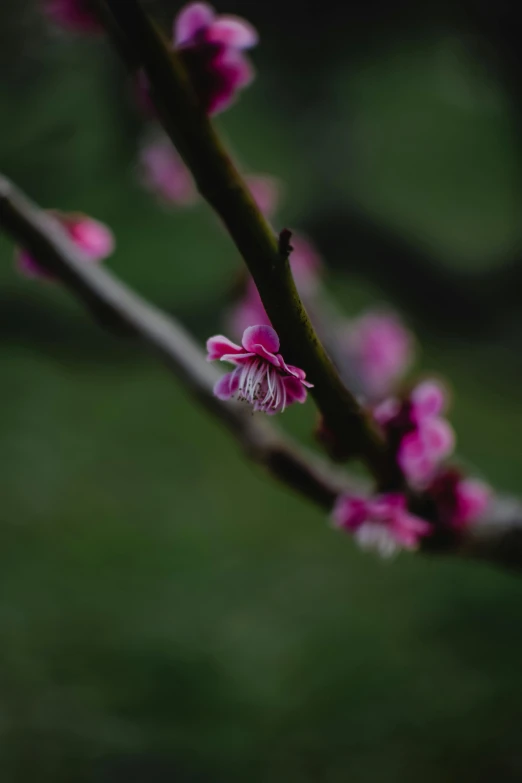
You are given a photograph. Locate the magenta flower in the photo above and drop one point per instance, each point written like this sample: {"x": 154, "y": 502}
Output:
{"x": 163, "y": 172}
{"x": 382, "y": 523}
{"x": 305, "y": 263}
{"x": 423, "y": 439}
{"x": 75, "y": 15}
{"x": 380, "y": 349}
{"x": 261, "y": 377}
{"x": 94, "y": 239}
{"x": 212, "y": 48}
{"x": 459, "y": 501}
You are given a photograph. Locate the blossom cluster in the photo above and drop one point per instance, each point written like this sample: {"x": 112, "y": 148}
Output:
{"x": 373, "y": 351}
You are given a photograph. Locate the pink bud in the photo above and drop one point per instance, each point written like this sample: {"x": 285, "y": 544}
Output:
{"x": 163, "y": 172}
{"x": 92, "y": 238}
{"x": 381, "y": 350}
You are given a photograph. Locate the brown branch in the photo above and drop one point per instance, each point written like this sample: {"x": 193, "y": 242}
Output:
{"x": 497, "y": 539}
{"x": 118, "y": 308}
{"x": 221, "y": 185}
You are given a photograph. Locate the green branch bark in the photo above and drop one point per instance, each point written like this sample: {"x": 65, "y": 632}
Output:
{"x": 221, "y": 185}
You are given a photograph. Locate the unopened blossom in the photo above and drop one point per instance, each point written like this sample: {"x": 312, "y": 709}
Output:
{"x": 163, "y": 172}
{"x": 418, "y": 432}
{"x": 379, "y": 349}
{"x": 305, "y": 263}
{"x": 92, "y": 238}
{"x": 213, "y": 50}
{"x": 459, "y": 501}
{"x": 382, "y": 523}
{"x": 74, "y": 15}
{"x": 261, "y": 376}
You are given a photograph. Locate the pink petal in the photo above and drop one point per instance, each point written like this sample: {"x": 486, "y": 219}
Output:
{"x": 429, "y": 399}
{"x": 386, "y": 411}
{"x": 439, "y": 437}
{"x": 265, "y": 191}
{"x": 94, "y": 239}
{"x": 473, "y": 497}
{"x": 350, "y": 511}
{"x": 232, "y": 31}
{"x": 305, "y": 263}
{"x": 227, "y": 385}
{"x": 220, "y": 346}
{"x": 260, "y": 336}
{"x": 248, "y": 312}
{"x": 193, "y": 18}
{"x": 235, "y": 69}
{"x": 295, "y": 390}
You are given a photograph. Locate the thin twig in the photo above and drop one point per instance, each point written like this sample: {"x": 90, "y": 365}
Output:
{"x": 497, "y": 539}
{"x": 221, "y": 185}
{"x": 118, "y": 308}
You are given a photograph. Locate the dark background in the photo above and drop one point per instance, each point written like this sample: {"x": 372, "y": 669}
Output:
{"x": 166, "y": 613}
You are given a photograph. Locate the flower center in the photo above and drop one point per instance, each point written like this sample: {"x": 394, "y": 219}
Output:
{"x": 261, "y": 385}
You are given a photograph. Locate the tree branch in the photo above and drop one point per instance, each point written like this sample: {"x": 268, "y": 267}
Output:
{"x": 118, "y": 308}
{"x": 497, "y": 539}
{"x": 222, "y": 186}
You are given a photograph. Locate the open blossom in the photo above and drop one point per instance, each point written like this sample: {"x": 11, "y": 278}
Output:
{"x": 305, "y": 263}
{"x": 261, "y": 376}
{"x": 163, "y": 172}
{"x": 212, "y": 48}
{"x": 382, "y": 523}
{"x": 418, "y": 431}
{"x": 94, "y": 239}
{"x": 74, "y": 15}
{"x": 380, "y": 349}
{"x": 459, "y": 501}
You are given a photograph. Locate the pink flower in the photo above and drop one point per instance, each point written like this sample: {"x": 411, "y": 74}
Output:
{"x": 212, "y": 48}
{"x": 421, "y": 451}
{"x": 382, "y": 523}
{"x": 459, "y": 501}
{"x": 74, "y": 15}
{"x": 305, "y": 263}
{"x": 380, "y": 349}
{"x": 163, "y": 172}
{"x": 261, "y": 377}
{"x": 416, "y": 429}
{"x": 266, "y": 192}
{"x": 94, "y": 239}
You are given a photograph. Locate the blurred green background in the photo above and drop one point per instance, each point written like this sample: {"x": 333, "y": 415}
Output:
{"x": 167, "y": 613}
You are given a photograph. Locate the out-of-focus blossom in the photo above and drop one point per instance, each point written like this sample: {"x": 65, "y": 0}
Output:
{"x": 382, "y": 523}
{"x": 261, "y": 376}
{"x": 74, "y": 15}
{"x": 380, "y": 349}
{"x": 305, "y": 263}
{"x": 417, "y": 430}
{"x": 266, "y": 192}
{"x": 94, "y": 239}
{"x": 212, "y": 48}
{"x": 248, "y": 310}
{"x": 459, "y": 501}
{"x": 163, "y": 172}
